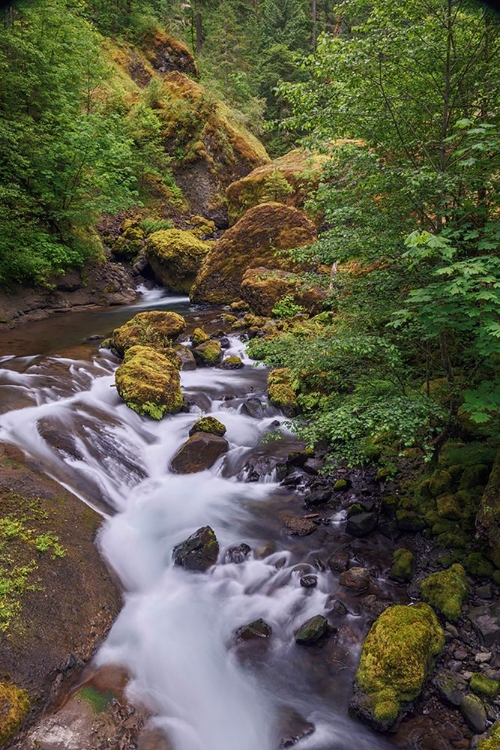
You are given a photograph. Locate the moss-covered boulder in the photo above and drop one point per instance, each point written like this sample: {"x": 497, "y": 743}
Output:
{"x": 14, "y": 706}
{"x": 440, "y": 482}
{"x": 491, "y": 742}
{"x": 282, "y": 391}
{"x": 198, "y": 453}
{"x": 130, "y": 242}
{"x": 208, "y": 354}
{"x": 175, "y": 257}
{"x": 488, "y": 517}
{"x": 482, "y": 685}
{"x": 155, "y": 329}
{"x": 149, "y": 383}
{"x": 199, "y": 336}
{"x": 396, "y": 658}
{"x": 251, "y": 243}
{"x": 312, "y": 630}
{"x": 446, "y": 591}
{"x": 402, "y": 564}
{"x": 210, "y": 425}
{"x": 288, "y": 179}
{"x": 264, "y": 288}
{"x": 232, "y": 363}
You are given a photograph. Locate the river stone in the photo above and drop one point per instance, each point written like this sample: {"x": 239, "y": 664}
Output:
{"x": 311, "y": 630}
{"x": 309, "y": 581}
{"x": 208, "y": 354}
{"x": 199, "y": 551}
{"x": 450, "y": 686}
{"x": 486, "y": 622}
{"x": 318, "y": 497}
{"x": 209, "y": 425}
{"x": 298, "y": 526}
{"x": 186, "y": 357}
{"x": 361, "y": 524}
{"x": 232, "y": 363}
{"x": 237, "y": 554}
{"x": 338, "y": 561}
{"x": 356, "y": 579}
{"x": 295, "y": 728}
{"x": 198, "y": 453}
{"x": 253, "y": 408}
{"x": 256, "y": 629}
{"x": 474, "y": 713}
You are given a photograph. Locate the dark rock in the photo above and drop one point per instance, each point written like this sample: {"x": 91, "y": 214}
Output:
{"x": 313, "y": 466}
{"x": 298, "y": 526}
{"x": 256, "y": 629}
{"x": 474, "y": 713}
{"x": 253, "y": 407}
{"x": 296, "y": 729}
{"x": 486, "y": 622}
{"x": 199, "y": 551}
{"x": 450, "y": 686}
{"x": 338, "y": 561}
{"x": 312, "y": 630}
{"x": 338, "y": 608}
{"x": 374, "y": 606}
{"x": 309, "y": 581}
{"x": 198, "y": 453}
{"x": 224, "y": 342}
{"x": 319, "y": 497}
{"x": 484, "y": 592}
{"x": 262, "y": 466}
{"x": 297, "y": 458}
{"x": 361, "y": 524}
{"x": 293, "y": 479}
{"x": 356, "y": 579}
{"x": 237, "y": 554}
{"x": 186, "y": 356}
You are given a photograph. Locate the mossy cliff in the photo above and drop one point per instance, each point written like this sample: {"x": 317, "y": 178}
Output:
{"x": 254, "y": 241}
{"x": 397, "y": 656}
{"x": 175, "y": 257}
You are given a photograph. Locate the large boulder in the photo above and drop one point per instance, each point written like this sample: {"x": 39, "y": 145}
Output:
{"x": 488, "y": 517}
{"x": 175, "y": 257}
{"x": 288, "y": 179}
{"x": 208, "y": 354}
{"x": 155, "y": 329}
{"x": 199, "y": 552}
{"x": 396, "y": 658}
{"x": 262, "y": 288}
{"x": 198, "y": 453}
{"x": 253, "y": 242}
{"x": 149, "y": 383}
{"x": 446, "y": 591}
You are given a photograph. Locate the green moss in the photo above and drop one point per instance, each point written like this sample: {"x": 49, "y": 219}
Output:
{"x": 477, "y": 565}
{"x": 98, "y": 701}
{"x": 474, "y": 475}
{"x": 496, "y": 577}
{"x": 455, "y": 540}
{"x": 397, "y": 655}
{"x": 155, "y": 329}
{"x": 148, "y": 383}
{"x": 199, "y": 336}
{"x": 448, "y": 507}
{"x": 232, "y": 363}
{"x": 483, "y": 685}
{"x": 341, "y": 485}
{"x": 129, "y": 244}
{"x": 402, "y": 564}
{"x": 210, "y": 425}
{"x": 281, "y": 390}
{"x": 446, "y": 591}
{"x": 443, "y": 526}
{"x": 14, "y": 706}
{"x": 493, "y": 741}
{"x": 440, "y": 482}
{"x": 208, "y": 354}
{"x": 176, "y": 257}
{"x": 409, "y": 520}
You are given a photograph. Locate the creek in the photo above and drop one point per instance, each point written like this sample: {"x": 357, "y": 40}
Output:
{"x": 175, "y": 633}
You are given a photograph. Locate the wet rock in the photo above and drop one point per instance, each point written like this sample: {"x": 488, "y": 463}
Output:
{"x": 253, "y": 407}
{"x": 338, "y": 608}
{"x": 198, "y": 453}
{"x": 188, "y": 361}
{"x": 484, "y": 592}
{"x": 486, "y": 622}
{"x": 312, "y": 630}
{"x": 296, "y": 728}
{"x": 474, "y": 713}
{"x": 450, "y": 686}
{"x": 232, "y": 363}
{"x": 318, "y": 497}
{"x": 395, "y": 661}
{"x": 338, "y": 561}
{"x": 309, "y": 581}
{"x": 208, "y": 354}
{"x": 373, "y": 606}
{"x": 298, "y": 526}
{"x": 261, "y": 466}
{"x": 361, "y": 524}
{"x": 199, "y": 551}
{"x": 209, "y": 425}
{"x": 256, "y": 629}
{"x": 237, "y": 554}
{"x": 356, "y": 579}
{"x": 294, "y": 479}
{"x": 224, "y": 342}
{"x": 313, "y": 466}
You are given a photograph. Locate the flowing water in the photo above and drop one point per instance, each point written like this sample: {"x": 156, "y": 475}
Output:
{"x": 175, "y": 634}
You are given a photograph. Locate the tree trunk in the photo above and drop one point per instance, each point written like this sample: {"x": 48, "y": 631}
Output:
{"x": 314, "y": 23}
{"x": 199, "y": 33}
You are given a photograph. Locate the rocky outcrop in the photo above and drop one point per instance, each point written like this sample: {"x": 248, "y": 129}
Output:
{"x": 251, "y": 243}
{"x": 396, "y": 659}
{"x": 199, "y": 551}
{"x": 166, "y": 54}
{"x": 175, "y": 257}
{"x": 198, "y": 453}
{"x": 149, "y": 383}
{"x": 263, "y": 288}
{"x": 155, "y": 329}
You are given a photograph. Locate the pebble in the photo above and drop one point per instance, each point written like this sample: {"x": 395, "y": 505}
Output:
{"x": 460, "y": 654}
{"x": 483, "y": 657}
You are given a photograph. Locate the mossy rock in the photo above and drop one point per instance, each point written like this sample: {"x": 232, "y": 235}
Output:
{"x": 493, "y": 741}
{"x": 239, "y": 306}
{"x": 402, "y": 564}
{"x": 254, "y": 241}
{"x": 473, "y": 476}
{"x": 397, "y": 656}
{"x": 281, "y": 391}
{"x": 263, "y": 288}
{"x": 129, "y": 244}
{"x": 175, "y": 257}
{"x": 14, "y": 707}
{"x": 477, "y": 565}
{"x": 288, "y": 179}
{"x": 482, "y": 685}
{"x": 167, "y": 54}
{"x": 148, "y": 383}
{"x": 448, "y": 507}
{"x": 232, "y": 363}
{"x": 488, "y": 517}
{"x": 202, "y": 227}
{"x": 155, "y": 329}
{"x": 208, "y": 354}
{"x": 446, "y": 591}
{"x": 168, "y": 353}
{"x": 440, "y": 482}
{"x": 455, "y": 540}
{"x": 210, "y": 425}
{"x": 199, "y": 336}
{"x": 409, "y": 520}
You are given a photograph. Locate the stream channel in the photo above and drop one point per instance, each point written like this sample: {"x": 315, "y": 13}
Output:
{"x": 175, "y": 633}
